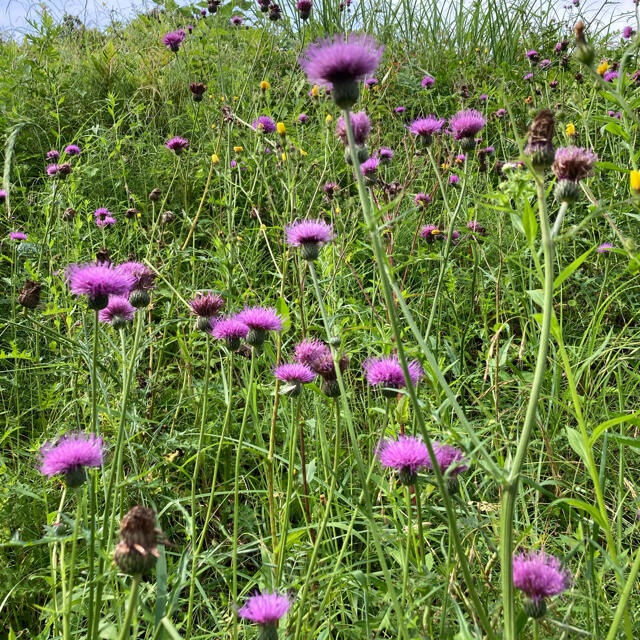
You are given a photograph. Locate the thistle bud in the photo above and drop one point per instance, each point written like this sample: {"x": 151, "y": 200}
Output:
{"x": 29, "y": 297}
{"x": 584, "y": 51}
{"x": 137, "y": 551}
{"x": 540, "y": 143}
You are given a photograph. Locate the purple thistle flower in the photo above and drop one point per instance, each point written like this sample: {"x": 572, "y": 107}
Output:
{"x": 573, "y": 163}
{"x": 484, "y": 97}
{"x": 427, "y": 82}
{"x": 72, "y": 150}
{"x": 426, "y": 128}
{"x": 294, "y": 375}
{"x": 308, "y": 351}
{"x": 361, "y": 128}
{"x": 627, "y": 32}
{"x": 264, "y": 124}
{"x": 500, "y": 113}
{"x": 144, "y": 281}
{"x": 311, "y": 235}
{"x": 400, "y": 109}
{"x": 605, "y": 247}
{"x": 539, "y": 576}
{"x": 340, "y": 63}
{"x": 303, "y": 118}
{"x": 422, "y": 199}
{"x": 430, "y": 233}
{"x": 527, "y": 76}
{"x": 173, "y": 39}
{"x": 387, "y": 372}
{"x": 98, "y": 282}
{"x": 545, "y": 63}
{"x": 206, "y": 306}
{"x": 450, "y": 460}
{"x": 610, "y": 76}
{"x": 3, "y": 195}
{"x": 369, "y": 167}
{"x": 265, "y": 608}
{"x": 532, "y": 54}
{"x": 17, "y": 235}
{"x": 53, "y": 155}
{"x": 70, "y": 456}
{"x": 330, "y": 189}
{"x": 260, "y": 320}
{"x": 107, "y": 221}
{"x": 53, "y": 169}
{"x": 466, "y": 124}
{"x": 117, "y": 313}
{"x": 455, "y": 234}
{"x": 230, "y": 329}
{"x": 385, "y": 154}
{"x": 615, "y": 114}
{"x": 407, "y": 455}
{"x": 454, "y": 179}
{"x": 304, "y": 8}
{"x": 177, "y": 144}
{"x": 475, "y": 227}
{"x": 371, "y": 82}
{"x": 236, "y": 21}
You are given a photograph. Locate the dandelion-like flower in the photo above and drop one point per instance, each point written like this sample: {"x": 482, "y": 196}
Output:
{"x": 70, "y": 456}
{"x": 426, "y": 128}
{"x": 173, "y": 39}
{"x": 264, "y": 124}
{"x": 386, "y": 372}
{"x": 98, "y": 282}
{"x": 117, "y": 313}
{"x": 341, "y": 63}
{"x": 295, "y": 375}
{"x": 361, "y": 128}
{"x": 539, "y": 575}
{"x": 465, "y": 125}
{"x": 407, "y": 455}
{"x": 177, "y": 144}
{"x": 72, "y": 150}
{"x": 229, "y": 329}
{"x": 206, "y": 306}
{"x": 260, "y": 320}
{"x": 310, "y": 235}
{"x": 266, "y": 609}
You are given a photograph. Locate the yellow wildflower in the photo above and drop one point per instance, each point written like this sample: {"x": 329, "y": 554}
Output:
{"x": 328, "y": 119}
{"x": 445, "y": 165}
{"x": 264, "y": 85}
{"x": 315, "y": 91}
{"x": 215, "y": 159}
{"x": 603, "y": 68}
{"x": 302, "y": 152}
{"x": 238, "y": 149}
{"x": 213, "y": 125}
{"x": 235, "y": 97}
{"x": 571, "y": 129}
{"x": 282, "y": 130}
{"x": 337, "y": 209}
{"x": 634, "y": 181}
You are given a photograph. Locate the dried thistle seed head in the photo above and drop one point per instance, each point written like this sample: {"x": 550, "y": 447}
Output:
{"x": 29, "y": 297}
{"x": 137, "y": 551}
{"x": 540, "y": 141}
{"x": 154, "y": 196}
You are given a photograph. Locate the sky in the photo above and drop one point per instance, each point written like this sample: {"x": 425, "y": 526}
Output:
{"x": 15, "y": 13}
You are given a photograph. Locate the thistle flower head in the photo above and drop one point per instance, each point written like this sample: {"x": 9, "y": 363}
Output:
{"x": 117, "y": 313}
{"x": 426, "y": 127}
{"x": 229, "y": 329}
{"x": 539, "y": 575}
{"x": 3, "y": 195}
{"x": 206, "y": 305}
{"x": 264, "y": 124}
{"x": 361, "y": 128}
{"x": 540, "y": 141}
{"x": 70, "y": 455}
{"x": 295, "y": 374}
{"x": 264, "y": 318}
{"x": 316, "y": 232}
{"x": 53, "y": 155}
{"x": 137, "y": 551}
{"x": 387, "y": 372}
{"x": 369, "y": 167}
{"x": 265, "y": 608}
{"x": 450, "y": 460}
{"x": 144, "y": 277}
{"x": 173, "y": 39}
{"x": 98, "y": 282}
{"x": 17, "y": 236}
{"x": 466, "y": 124}
{"x": 427, "y": 82}
{"x": 72, "y": 150}
{"x": 309, "y": 350}
{"x": 407, "y": 455}
{"x": 177, "y": 144}
{"x": 430, "y": 232}
{"x": 422, "y": 199}
{"x": 573, "y": 163}
{"x": 605, "y": 247}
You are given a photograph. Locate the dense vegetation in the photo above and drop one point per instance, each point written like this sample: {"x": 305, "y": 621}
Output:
{"x": 518, "y": 306}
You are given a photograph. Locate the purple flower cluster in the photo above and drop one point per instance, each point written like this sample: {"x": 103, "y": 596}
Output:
{"x": 265, "y": 608}
{"x": 387, "y": 373}
{"x": 177, "y": 144}
{"x": 70, "y": 456}
{"x": 118, "y": 312}
{"x": 104, "y": 217}
{"x": 264, "y": 124}
{"x": 173, "y": 39}
{"x": 361, "y": 126}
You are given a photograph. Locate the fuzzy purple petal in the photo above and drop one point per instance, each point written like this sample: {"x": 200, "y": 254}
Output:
{"x": 70, "y": 452}
{"x": 407, "y": 452}
{"x": 539, "y": 575}
{"x": 265, "y": 608}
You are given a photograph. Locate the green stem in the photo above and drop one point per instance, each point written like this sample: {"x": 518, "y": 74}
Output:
{"x": 236, "y": 492}
{"x": 511, "y": 483}
{"x": 94, "y": 377}
{"x": 194, "y": 483}
{"x": 387, "y": 288}
{"x": 416, "y": 492}
{"x": 66, "y": 622}
{"x": 131, "y": 607}
{"x": 405, "y": 574}
{"x": 621, "y": 609}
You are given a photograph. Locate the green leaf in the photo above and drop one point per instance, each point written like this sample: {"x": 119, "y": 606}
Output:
{"x": 529, "y": 223}
{"x": 617, "y": 130}
{"x": 171, "y": 630}
{"x": 283, "y": 310}
{"x": 569, "y": 269}
{"x": 612, "y": 422}
{"x": 584, "y": 506}
{"x": 577, "y": 444}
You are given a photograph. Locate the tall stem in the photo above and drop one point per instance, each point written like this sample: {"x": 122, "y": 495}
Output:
{"x": 66, "y": 620}
{"x": 131, "y": 607}
{"x": 405, "y": 574}
{"x": 511, "y": 483}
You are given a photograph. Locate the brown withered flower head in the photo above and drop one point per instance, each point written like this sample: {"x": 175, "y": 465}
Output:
{"x": 324, "y": 367}
{"x": 154, "y": 196}
{"x": 137, "y": 551}
{"x": 68, "y": 214}
{"x": 198, "y": 90}
{"x": 29, "y": 297}
{"x": 540, "y": 141}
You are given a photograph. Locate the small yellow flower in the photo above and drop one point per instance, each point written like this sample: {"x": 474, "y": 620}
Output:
{"x": 477, "y": 49}
{"x": 139, "y": 215}
{"x": 486, "y": 50}
{"x": 239, "y": 238}
{"x": 315, "y": 91}
{"x": 238, "y": 149}
{"x": 634, "y": 181}
{"x": 603, "y": 67}
{"x": 282, "y": 130}
{"x": 328, "y": 119}
{"x": 211, "y": 96}
{"x": 337, "y": 209}
{"x": 459, "y": 61}
{"x": 263, "y": 227}
{"x": 213, "y": 125}
{"x": 215, "y": 159}
{"x": 445, "y": 165}
{"x": 222, "y": 98}
{"x": 235, "y": 97}
{"x": 571, "y": 129}
{"x": 284, "y": 157}
{"x": 264, "y": 85}
{"x": 302, "y": 152}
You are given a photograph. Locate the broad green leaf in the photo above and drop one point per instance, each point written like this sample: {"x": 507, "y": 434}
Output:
{"x": 612, "y": 422}
{"x": 569, "y": 269}
{"x": 529, "y": 223}
{"x": 584, "y": 506}
{"x": 577, "y": 444}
